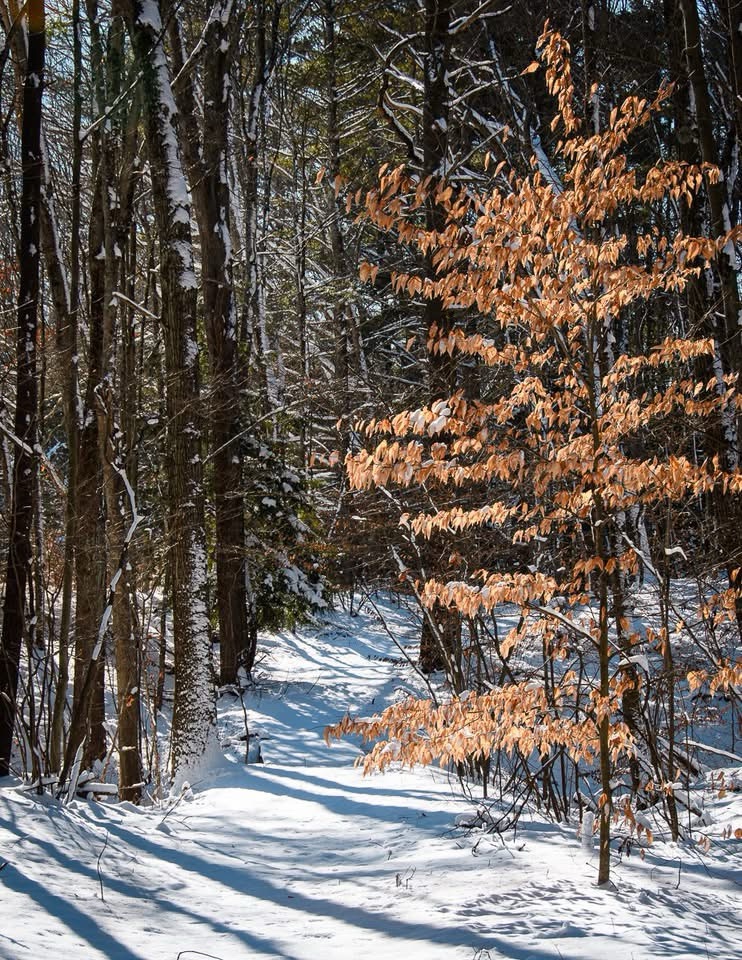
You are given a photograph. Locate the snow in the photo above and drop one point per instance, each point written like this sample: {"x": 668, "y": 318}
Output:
{"x": 190, "y": 351}
{"x": 302, "y": 857}
{"x": 149, "y": 15}
{"x": 177, "y": 190}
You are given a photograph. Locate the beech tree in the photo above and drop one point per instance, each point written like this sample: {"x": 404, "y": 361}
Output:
{"x": 200, "y": 269}
{"x": 560, "y": 443}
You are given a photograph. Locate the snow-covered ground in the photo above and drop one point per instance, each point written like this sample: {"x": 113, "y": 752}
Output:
{"x": 302, "y": 857}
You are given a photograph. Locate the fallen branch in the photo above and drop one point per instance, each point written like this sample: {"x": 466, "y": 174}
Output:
{"x": 715, "y": 750}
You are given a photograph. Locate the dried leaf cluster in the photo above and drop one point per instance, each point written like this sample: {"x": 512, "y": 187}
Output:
{"x": 564, "y": 443}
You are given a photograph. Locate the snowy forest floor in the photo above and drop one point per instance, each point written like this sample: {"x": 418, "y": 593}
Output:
{"x": 302, "y": 857}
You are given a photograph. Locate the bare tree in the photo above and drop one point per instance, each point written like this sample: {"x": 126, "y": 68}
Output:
{"x": 194, "y": 712}
{"x": 26, "y": 453}
{"x": 206, "y": 149}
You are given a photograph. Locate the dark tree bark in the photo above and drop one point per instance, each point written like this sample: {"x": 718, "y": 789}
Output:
{"x": 90, "y": 558}
{"x": 207, "y": 163}
{"x": 268, "y": 45}
{"x": 439, "y": 627}
{"x": 731, "y": 16}
{"x": 26, "y": 461}
{"x": 86, "y": 729}
{"x": 66, "y": 336}
{"x": 349, "y": 355}
{"x": 117, "y": 412}
{"x": 731, "y": 337}
{"x": 67, "y": 345}
{"x": 435, "y": 149}
{"x": 724, "y": 322}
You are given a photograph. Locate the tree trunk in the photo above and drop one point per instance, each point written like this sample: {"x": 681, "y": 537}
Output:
{"x": 66, "y": 338}
{"x": 254, "y": 319}
{"x": 67, "y": 346}
{"x": 26, "y": 461}
{"x": 117, "y": 411}
{"x": 90, "y": 562}
{"x": 349, "y": 354}
{"x": 208, "y": 168}
{"x": 193, "y": 712}
{"x": 442, "y": 367}
{"x": 726, "y": 328}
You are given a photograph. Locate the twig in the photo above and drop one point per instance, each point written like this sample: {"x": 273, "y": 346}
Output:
{"x": 97, "y": 867}
{"x": 183, "y": 792}
{"x": 402, "y": 650}
{"x": 197, "y": 953}
{"x": 74, "y": 776}
{"x": 136, "y": 306}
{"x": 35, "y": 451}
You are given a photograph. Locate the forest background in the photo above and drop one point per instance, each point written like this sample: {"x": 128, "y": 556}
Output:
{"x": 213, "y": 296}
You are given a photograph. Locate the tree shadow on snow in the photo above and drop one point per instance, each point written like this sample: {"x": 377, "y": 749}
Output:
{"x": 82, "y": 923}
{"x": 242, "y": 881}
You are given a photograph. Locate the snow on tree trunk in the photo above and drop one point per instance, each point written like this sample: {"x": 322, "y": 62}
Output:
{"x": 193, "y": 731}
{"x": 206, "y": 157}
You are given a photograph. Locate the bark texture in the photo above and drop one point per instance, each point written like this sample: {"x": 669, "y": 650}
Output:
{"x": 26, "y": 462}
{"x": 193, "y": 711}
